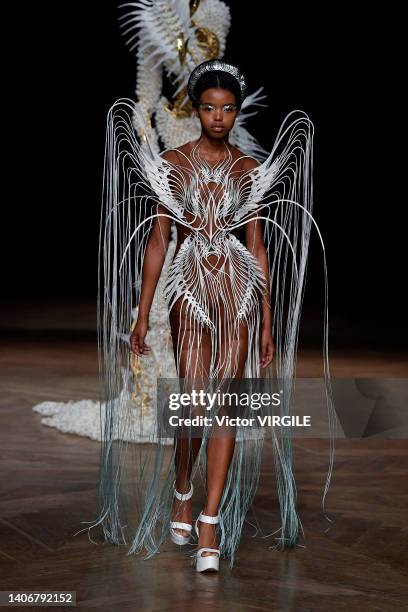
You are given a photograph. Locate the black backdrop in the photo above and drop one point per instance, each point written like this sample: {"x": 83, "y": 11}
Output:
{"x": 68, "y": 64}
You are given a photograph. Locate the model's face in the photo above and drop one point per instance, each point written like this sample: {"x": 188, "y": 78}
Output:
{"x": 217, "y": 111}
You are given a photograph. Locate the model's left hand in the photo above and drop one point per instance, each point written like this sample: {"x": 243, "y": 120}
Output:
{"x": 267, "y": 348}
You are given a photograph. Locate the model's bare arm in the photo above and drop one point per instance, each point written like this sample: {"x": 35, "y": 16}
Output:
{"x": 153, "y": 260}
{"x": 256, "y": 245}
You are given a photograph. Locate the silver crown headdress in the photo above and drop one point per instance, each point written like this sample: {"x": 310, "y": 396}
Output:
{"x": 210, "y": 66}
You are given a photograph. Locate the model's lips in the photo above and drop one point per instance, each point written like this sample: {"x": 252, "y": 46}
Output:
{"x": 217, "y": 128}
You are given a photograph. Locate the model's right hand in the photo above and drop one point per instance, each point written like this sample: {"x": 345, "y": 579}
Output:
{"x": 137, "y": 343}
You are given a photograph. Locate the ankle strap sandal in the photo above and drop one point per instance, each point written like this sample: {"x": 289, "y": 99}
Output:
{"x": 178, "y": 538}
{"x": 209, "y": 563}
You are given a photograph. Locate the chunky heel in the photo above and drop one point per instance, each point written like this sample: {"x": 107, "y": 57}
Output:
{"x": 209, "y": 563}
{"x": 178, "y": 538}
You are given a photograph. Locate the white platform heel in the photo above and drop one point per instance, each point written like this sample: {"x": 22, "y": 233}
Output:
{"x": 209, "y": 563}
{"x": 178, "y": 538}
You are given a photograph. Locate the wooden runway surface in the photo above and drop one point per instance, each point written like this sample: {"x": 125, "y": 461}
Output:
{"x": 48, "y": 482}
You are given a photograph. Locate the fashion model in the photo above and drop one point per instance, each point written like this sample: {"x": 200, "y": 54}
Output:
{"x": 233, "y": 292}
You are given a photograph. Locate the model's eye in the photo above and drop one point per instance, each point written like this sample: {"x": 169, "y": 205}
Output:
{"x": 227, "y": 108}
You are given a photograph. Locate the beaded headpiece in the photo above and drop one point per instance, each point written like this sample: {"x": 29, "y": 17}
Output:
{"x": 211, "y": 66}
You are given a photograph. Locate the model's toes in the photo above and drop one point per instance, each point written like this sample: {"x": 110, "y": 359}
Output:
{"x": 182, "y": 532}
{"x": 209, "y": 554}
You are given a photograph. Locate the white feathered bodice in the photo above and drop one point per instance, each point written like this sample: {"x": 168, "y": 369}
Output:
{"x": 207, "y": 203}
{"x": 196, "y": 193}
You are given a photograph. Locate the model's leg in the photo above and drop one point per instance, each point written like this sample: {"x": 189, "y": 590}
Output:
{"x": 221, "y": 449}
{"x": 192, "y": 348}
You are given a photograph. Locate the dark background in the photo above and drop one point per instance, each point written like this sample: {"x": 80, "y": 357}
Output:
{"x": 69, "y": 64}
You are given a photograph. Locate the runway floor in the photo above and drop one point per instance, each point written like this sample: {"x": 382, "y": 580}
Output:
{"x": 48, "y": 482}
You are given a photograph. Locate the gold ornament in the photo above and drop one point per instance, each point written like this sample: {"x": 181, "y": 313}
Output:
{"x": 208, "y": 41}
{"x": 174, "y": 107}
{"x": 194, "y": 4}
{"x": 181, "y": 47}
